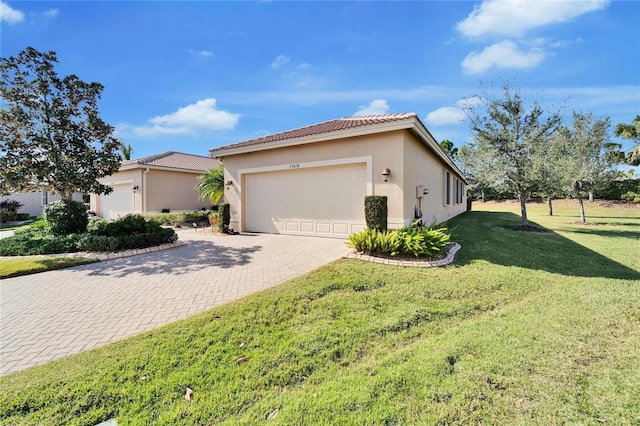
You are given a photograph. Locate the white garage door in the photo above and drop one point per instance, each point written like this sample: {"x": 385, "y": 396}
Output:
{"x": 323, "y": 201}
{"x": 118, "y": 203}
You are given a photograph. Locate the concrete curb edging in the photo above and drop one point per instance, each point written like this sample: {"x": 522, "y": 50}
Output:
{"x": 453, "y": 249}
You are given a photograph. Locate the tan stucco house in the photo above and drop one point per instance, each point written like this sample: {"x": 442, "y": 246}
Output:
{"x": 151, "y": 184}
{"x": 313, "y": 180}
{"x": 35, "y": 202}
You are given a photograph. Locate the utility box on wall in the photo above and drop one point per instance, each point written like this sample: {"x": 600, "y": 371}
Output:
{"x": 419, "y": 191}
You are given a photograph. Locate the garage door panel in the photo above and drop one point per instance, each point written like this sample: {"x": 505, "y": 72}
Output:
{"x": 118, "y": 203}
{"x": 322, "y": 201}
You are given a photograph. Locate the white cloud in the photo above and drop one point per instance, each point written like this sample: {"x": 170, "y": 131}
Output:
{"x": 51, "y": 13}
{"x": 445, "y": 115}
{"x": 505, "y": 54}
{"x": 516, "y": 17}
{"x": 279, "y": 61}
{"x": 375, "y": 107}
{"x": 192, "y": 119}
{"x": 9, "y": 14}
{"x": 452, "y": 114}
{"x": 204, "y": 53}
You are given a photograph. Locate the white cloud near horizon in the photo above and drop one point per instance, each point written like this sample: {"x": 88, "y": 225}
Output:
{"x": 191, "y": 119}
{"x": 516, "y": 17}
{"x": 505, "y": 54}
{"x": 375, "y": 107}
{"x": 9, "y": 14}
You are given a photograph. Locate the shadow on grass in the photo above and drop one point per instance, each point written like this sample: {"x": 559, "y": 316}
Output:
{"x": 595, "y": 230}
{"x": 486, "y": 236}
{"x": 188, "y": 258}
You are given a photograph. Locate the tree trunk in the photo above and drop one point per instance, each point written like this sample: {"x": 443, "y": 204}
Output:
{"x": 591, "y": 196}
{"x": 550, "y": 205}
{"x": 484, "y": 196}
{"x": 581, "y": 204}
{"x": 523, "y": 209}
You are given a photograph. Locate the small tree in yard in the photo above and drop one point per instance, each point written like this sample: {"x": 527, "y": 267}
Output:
{"x": 478, "y": 161}
{"x": 585, "y": 162}
{"x": 51, "y": 135}
{"x": 514, "y": 134}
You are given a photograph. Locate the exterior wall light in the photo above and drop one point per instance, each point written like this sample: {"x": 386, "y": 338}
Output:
{"x": 385, "y": 174}
{"x": 229, "y": 184}
{"x": 135, "y": 188}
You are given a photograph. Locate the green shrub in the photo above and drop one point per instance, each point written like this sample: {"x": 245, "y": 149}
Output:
{"x": 375, "y": 212}
{"x": 8, "y": 216}
{"x": 412, "y": 240}
{"x": 631, "y": 196}
{"x": 108, "y": 243}
{"x": 224, "y": 216}
{"x": 66, "y": 217}
{"x": 24, "y": 216}
{"x": 130, "y": 232}
{"x": 32, "y": 242}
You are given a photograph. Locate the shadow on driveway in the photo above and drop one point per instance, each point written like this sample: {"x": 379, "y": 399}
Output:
{"x": 188, "y": 258}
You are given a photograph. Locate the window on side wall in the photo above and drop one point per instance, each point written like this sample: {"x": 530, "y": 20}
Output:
{"x": 447, "y": 188}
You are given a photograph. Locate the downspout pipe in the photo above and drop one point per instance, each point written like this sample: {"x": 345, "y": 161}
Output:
{"x": 144, "y": 190}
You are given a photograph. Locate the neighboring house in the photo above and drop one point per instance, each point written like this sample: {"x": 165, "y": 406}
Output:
{"x": 34, "y": 202}
{"x": 151, "y": 184}
{"x": 313, "y": 180}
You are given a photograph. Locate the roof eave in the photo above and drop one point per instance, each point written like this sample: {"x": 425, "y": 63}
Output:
{"x": 320, "y": 137}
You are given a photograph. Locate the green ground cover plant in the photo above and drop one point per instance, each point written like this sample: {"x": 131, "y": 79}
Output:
{"x": 523, "y": 328}
{"x": 32, "y": 265}
{"x": 413, "y": 240}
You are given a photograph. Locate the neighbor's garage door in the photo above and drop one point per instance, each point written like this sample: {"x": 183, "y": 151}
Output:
{"x": 118, "y": 203}
{"x": 323, "y": 201}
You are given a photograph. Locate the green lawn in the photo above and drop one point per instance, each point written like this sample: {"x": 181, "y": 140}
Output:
{"x": 31, "y": 265}
{"x": 523, "y": 328}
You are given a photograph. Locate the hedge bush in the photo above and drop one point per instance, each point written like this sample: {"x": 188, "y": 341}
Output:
{"x": 415, "y": 240}
{"x": 224, "y": 217}
{"x": 178, "y": 218}
{"x": 107, "y": 243}
{"x": 66, "y": 217}
{"x": 376, "y": 211}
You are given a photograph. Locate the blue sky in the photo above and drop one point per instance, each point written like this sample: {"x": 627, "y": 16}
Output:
{"x": 190, "y": 76}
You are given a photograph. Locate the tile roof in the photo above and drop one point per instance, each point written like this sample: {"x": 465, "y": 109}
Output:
{"x": 320, "y": 128}
{"x": 174, "y": 160}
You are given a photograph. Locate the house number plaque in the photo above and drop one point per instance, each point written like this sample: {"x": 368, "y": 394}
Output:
{"x": 294, "y": 166}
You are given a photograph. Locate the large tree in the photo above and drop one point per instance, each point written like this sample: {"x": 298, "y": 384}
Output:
{"x": 632, "y": 133}
{"x": 586, "y": 162}
{"x": 514, "y": 132}
{"x": 51, "y": 135}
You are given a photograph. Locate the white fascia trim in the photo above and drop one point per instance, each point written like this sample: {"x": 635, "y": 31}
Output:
{"x": 320, "y": 137}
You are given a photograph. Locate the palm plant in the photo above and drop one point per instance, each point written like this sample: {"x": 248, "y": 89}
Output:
{"x": 211, "y": 184}
{"x": 632, "y": 133}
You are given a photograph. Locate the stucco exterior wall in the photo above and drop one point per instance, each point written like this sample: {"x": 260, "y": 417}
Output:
{"x": 381, "y": 151}
{"x": 34, "y": 202}
{"x": 422, "y": 167}
{"x": 172, "y": 190}
{"x": 157, "y": 190}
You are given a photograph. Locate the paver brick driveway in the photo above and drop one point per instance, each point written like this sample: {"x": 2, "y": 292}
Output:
{"x": 58, "y": 313}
